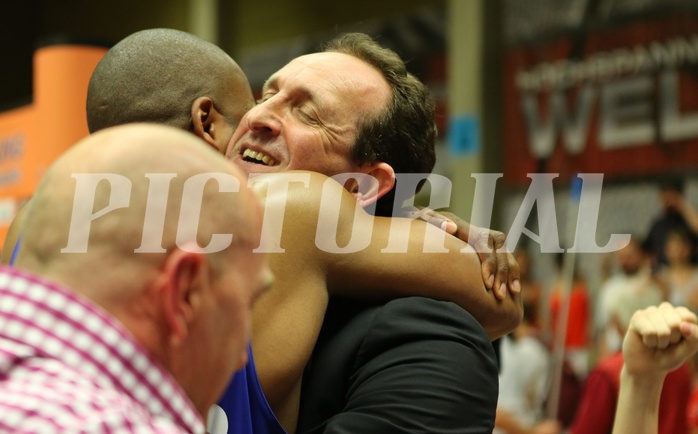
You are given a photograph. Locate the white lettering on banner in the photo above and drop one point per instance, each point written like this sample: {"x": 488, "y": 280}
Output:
{"x": 626, "y": 115}
{"x": 608, "y": 65}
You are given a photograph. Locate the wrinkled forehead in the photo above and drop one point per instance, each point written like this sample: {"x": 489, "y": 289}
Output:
{"x": 340, "y": 71}
{"x": 333, "y": 80}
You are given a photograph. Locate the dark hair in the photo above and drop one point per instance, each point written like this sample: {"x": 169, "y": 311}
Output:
{"x": 404, "y": 135}
{"x": 672, "y": 184}
{"x": 682, "y": 233}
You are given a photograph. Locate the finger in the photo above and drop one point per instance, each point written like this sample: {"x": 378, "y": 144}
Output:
{"x": 490, "y": 262}
{"x": 514, "y": 273}
{"x": 463, "y": 228}
{"x": 641, "y": 325}
{"x": 449, "y": 227}
{"x": 436, "y": 219}
{"x": 686, "y": 315}
{"x": 440, "y": 222}
{"x": 690, "y": 333}
{"x": 477, "y": 237}
{"x": 489, "y": 268}
{"x": 672, "y": 319}
{"x": 661, "y": 330}
{"x": 501, "y": 280}
{"x": 497, "y": 239}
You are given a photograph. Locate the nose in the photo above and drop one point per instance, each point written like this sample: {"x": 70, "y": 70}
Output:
{"x": 264, "y": 119}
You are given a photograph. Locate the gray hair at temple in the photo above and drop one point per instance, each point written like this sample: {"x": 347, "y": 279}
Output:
{"x": 404, "y": 135}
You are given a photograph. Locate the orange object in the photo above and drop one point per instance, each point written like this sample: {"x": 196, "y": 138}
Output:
{"x": 577, "y": 336}
{"x": 33, "y": 136}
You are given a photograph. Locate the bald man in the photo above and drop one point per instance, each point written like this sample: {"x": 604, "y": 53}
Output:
{"x": 108, "y": 339}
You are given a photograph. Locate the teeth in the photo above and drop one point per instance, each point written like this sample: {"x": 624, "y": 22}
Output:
{"x": 262, "y": 158}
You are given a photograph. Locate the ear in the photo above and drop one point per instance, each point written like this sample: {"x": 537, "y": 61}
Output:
{"x": 205, "y": 121}
{"x": 367, "y": 193}
{"x": 184, "y": 277}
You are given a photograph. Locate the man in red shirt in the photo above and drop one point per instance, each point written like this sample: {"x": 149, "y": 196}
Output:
{"x": 597, "y": 408}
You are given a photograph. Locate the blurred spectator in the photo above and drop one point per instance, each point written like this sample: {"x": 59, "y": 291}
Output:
{"x": 679, "y": 277}
{"x": 524, "y": 380}
{"x": 596, "y": 410}
{"x": 633, "y": 276}
{"x": 676, "y": 213}
{"x": 576, "y": 342}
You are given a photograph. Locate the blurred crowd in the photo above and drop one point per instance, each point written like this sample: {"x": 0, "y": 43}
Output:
{"x": 560, "y": 370}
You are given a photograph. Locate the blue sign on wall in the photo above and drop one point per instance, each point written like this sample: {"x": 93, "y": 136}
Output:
{"x": 464, "y": 135}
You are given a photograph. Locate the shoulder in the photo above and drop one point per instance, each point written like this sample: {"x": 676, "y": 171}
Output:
{"x": 300, "y": 193}
{"x": 84, "y": 404}
{"x": 293, "y": 181}
{"x": 421, "y": 323}
{"x": 439, "y": 359}
{"x": 422, "y": 314}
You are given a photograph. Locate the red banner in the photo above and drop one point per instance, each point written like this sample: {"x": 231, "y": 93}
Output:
{"x": 624, "y": 104}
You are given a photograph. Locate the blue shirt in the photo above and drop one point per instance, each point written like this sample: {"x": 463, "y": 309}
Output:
{"x": 243, "y": 407}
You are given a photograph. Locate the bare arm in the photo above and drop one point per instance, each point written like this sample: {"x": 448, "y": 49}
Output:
{"x": 658, "y": 341}
{"x": 288, "y": 317}
{"x": 402, "y": 257}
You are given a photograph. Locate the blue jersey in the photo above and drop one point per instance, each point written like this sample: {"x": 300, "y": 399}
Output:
{"x": 243, "y": 409}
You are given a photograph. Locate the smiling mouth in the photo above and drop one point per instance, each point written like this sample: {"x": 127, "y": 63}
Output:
{"x": 257, "y": 158}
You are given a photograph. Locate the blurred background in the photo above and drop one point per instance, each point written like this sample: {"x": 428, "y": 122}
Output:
{"x": 556, "y": 87}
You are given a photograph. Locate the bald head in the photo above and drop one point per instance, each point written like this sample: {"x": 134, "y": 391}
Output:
{"x": 156, "y": 75}
{"x": 136, "y": 158}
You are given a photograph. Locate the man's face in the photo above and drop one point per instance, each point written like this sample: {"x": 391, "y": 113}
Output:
{"x": 677, "y": 249}
{"x": 309, "y": 115}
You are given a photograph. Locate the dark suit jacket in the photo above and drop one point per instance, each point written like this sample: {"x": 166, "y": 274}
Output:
{"x": 412, "y": 365}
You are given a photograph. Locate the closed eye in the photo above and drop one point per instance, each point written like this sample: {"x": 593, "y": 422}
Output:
{"x": 265, "y": 97}
{"x": 309, "y": 115}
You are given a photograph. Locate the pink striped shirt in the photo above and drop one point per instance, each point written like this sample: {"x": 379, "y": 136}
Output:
{"x": 67, "y": 366}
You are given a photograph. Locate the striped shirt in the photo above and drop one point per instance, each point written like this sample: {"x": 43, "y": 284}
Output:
{"x": 67, "y": 366}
